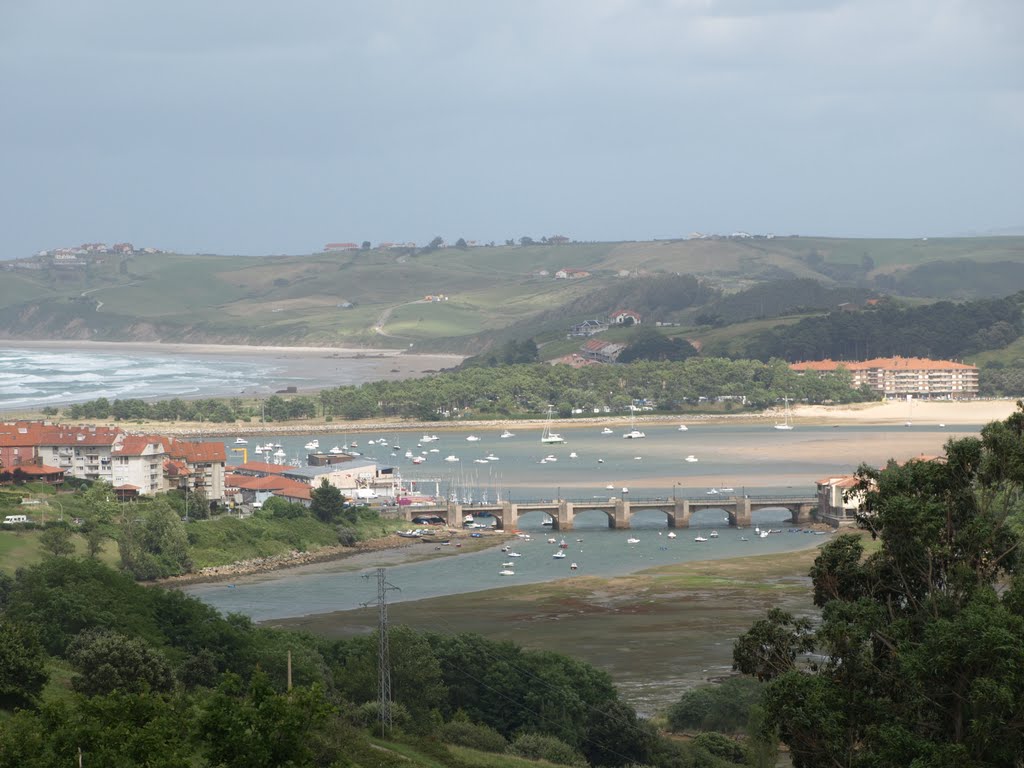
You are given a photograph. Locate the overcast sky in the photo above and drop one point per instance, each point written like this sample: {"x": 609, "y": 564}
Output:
{"x": 258, "y": 127}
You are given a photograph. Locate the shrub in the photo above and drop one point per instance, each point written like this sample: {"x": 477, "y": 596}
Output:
{"x": 473, "y": 735}
{"x": 536, "y": 746}
{"x": 723, "y": 707}
{"x": 368, "y": 715}
{"x": 720, "y": 745}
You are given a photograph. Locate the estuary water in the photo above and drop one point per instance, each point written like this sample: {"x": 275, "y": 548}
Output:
{"x": 753, "y": 459}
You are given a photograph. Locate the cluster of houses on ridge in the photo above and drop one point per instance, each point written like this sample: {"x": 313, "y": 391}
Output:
{"x": 75, "y": 256}
{"x": 146, "y": 465}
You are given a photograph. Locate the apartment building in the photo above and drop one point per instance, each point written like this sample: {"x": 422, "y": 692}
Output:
{"x": 902, "y": 377}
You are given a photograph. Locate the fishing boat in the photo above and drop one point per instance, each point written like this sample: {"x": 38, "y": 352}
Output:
{"x": 547, "y": 436}
{"x": 558, "y": 555}
{"x": 506, "y": 572}
{"x": 241, "y": 441}
{"x": 562, "y": 544}
{"x": 506, "y": 433}
{"x": 607, "y": 431}
{"x": 699, "y": 538}
{"x": 312, "y": 445}
{"x": 785, "y": 422}
{"x": 472, "y": 438}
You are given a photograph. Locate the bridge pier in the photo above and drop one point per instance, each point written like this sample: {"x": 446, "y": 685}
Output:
{"x": 804, "y": 513}
{"x": 741, "y": 516}
{"x": 564, "y": 516}
{"x": 620, "y": 519}
{"x": 679, "y": 517}
{"x": 454, "y": 515}
{"x": 509, "y": 516}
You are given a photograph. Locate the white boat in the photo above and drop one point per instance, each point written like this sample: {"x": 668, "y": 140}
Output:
{"x": 558, "y": 555}
{"x": 480, "y": 461}
{"x": 625, "y": 489}
{"x": 609, "y": 487}
{"x": 241, "y": 441}
{"x": 451, "y": 458}
{"x": 699, "y": 538}
{"x": 514, "y": 554}
{"x": 634, "y": 433}
{"x": 562, "y": 544}
{"x": 491, "y": 457}
{"x": 279, "y": 453}
{"x": 763, "y": 534}
{"x": 547, "y": 436}
{"x": 691, "y": 458}
{"x": 312, "y": 445}
{"x": 573, "y": 455}
{"x": 632, "y": 540}
{"x": 552, "y": 540}
{"x": 638, "y": 458}
{"x": 682, "y": 428}
{"x": 785, "y": 423}
{"x": 336, "y": 450}
{"x": 259, "y": 449}
{"x": 607, "y": 431}
{"x": 550, "y": 457}
{"x": 408, "y": 454}
{"x": 472, "y": 438}
{"x": 726, "y": 489}
{"x": 713, "y": 534}
{"x": 573, "y": 566}
{"x": 509, "y": 564}
{"x": 506, "y": 572}
{"x": 435, "y": 450}
{"x": 671, "y": 534}
{"x": 428, "y": 438}
{"x": 418, "y": 459}
{"x": 506, "y": 433}
{"x": 548, "y": 521}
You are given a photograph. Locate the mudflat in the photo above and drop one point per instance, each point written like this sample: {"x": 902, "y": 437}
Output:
{"x": 657, "y": 632}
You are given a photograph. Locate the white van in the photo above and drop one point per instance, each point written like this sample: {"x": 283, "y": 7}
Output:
{"x": 12, "y": 519}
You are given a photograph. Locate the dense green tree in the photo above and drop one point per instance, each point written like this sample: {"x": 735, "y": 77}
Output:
{"x": 108, "y": 661}
{"x": 327, "y": 504}
{"x": 920, "y": 648}
{"x": 22, "y": 665}
{"x": 156, "y": 545}
{"x": 646, "y": 343}
{"x": 56, "y": 541}
{"x": 255, "y": 727}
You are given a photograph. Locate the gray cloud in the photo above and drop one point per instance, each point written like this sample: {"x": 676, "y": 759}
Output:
{"x": 272, "y": 127}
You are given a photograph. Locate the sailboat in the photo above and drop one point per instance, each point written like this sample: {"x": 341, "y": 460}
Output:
{"x": 547, "y": 436}
{"x": 785, "y": 424}
{"x": 634, "y": 433}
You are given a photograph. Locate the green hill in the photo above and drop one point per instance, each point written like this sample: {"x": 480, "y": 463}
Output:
{"x": 376, "y": 298}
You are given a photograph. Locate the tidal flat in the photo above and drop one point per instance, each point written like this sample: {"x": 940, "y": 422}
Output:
{"x": 657, "y": 632}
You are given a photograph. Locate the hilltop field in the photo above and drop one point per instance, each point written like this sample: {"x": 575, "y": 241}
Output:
{"x": 482, "y": 296}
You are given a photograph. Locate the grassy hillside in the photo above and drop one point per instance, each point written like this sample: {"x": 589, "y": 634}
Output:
{"x": 375, "y": 297}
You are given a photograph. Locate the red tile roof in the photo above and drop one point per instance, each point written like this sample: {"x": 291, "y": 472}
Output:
{"x": 196, "y": 453}
{"x": 39, "y": 469}
{"x": 885, "y": 363}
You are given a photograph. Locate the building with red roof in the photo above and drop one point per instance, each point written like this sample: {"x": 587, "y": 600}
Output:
{"x": 904, "y": 377}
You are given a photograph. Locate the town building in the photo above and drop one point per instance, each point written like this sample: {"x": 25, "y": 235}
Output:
{"x": 903, "y": 377}
{"x": 624, "y": 317}
{"x": 133, "y": 464}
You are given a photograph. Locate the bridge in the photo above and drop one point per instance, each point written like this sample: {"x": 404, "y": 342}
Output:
{"x": 619, "y": 510}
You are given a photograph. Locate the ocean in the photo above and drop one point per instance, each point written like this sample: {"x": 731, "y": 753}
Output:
{"x": 36, "y": 378}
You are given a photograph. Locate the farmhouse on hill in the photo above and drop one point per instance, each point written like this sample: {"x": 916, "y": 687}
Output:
{"x": 624, "y": 317}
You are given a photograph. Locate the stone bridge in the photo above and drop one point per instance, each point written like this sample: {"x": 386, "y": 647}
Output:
{"x": 619, "y": 510}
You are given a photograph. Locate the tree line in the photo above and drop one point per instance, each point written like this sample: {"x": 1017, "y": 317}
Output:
{"x": 944, "y": 330}
{"x": 521, "y": 390}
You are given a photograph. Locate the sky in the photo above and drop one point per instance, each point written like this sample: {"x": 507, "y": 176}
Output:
{"x": 258, "y": 127}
